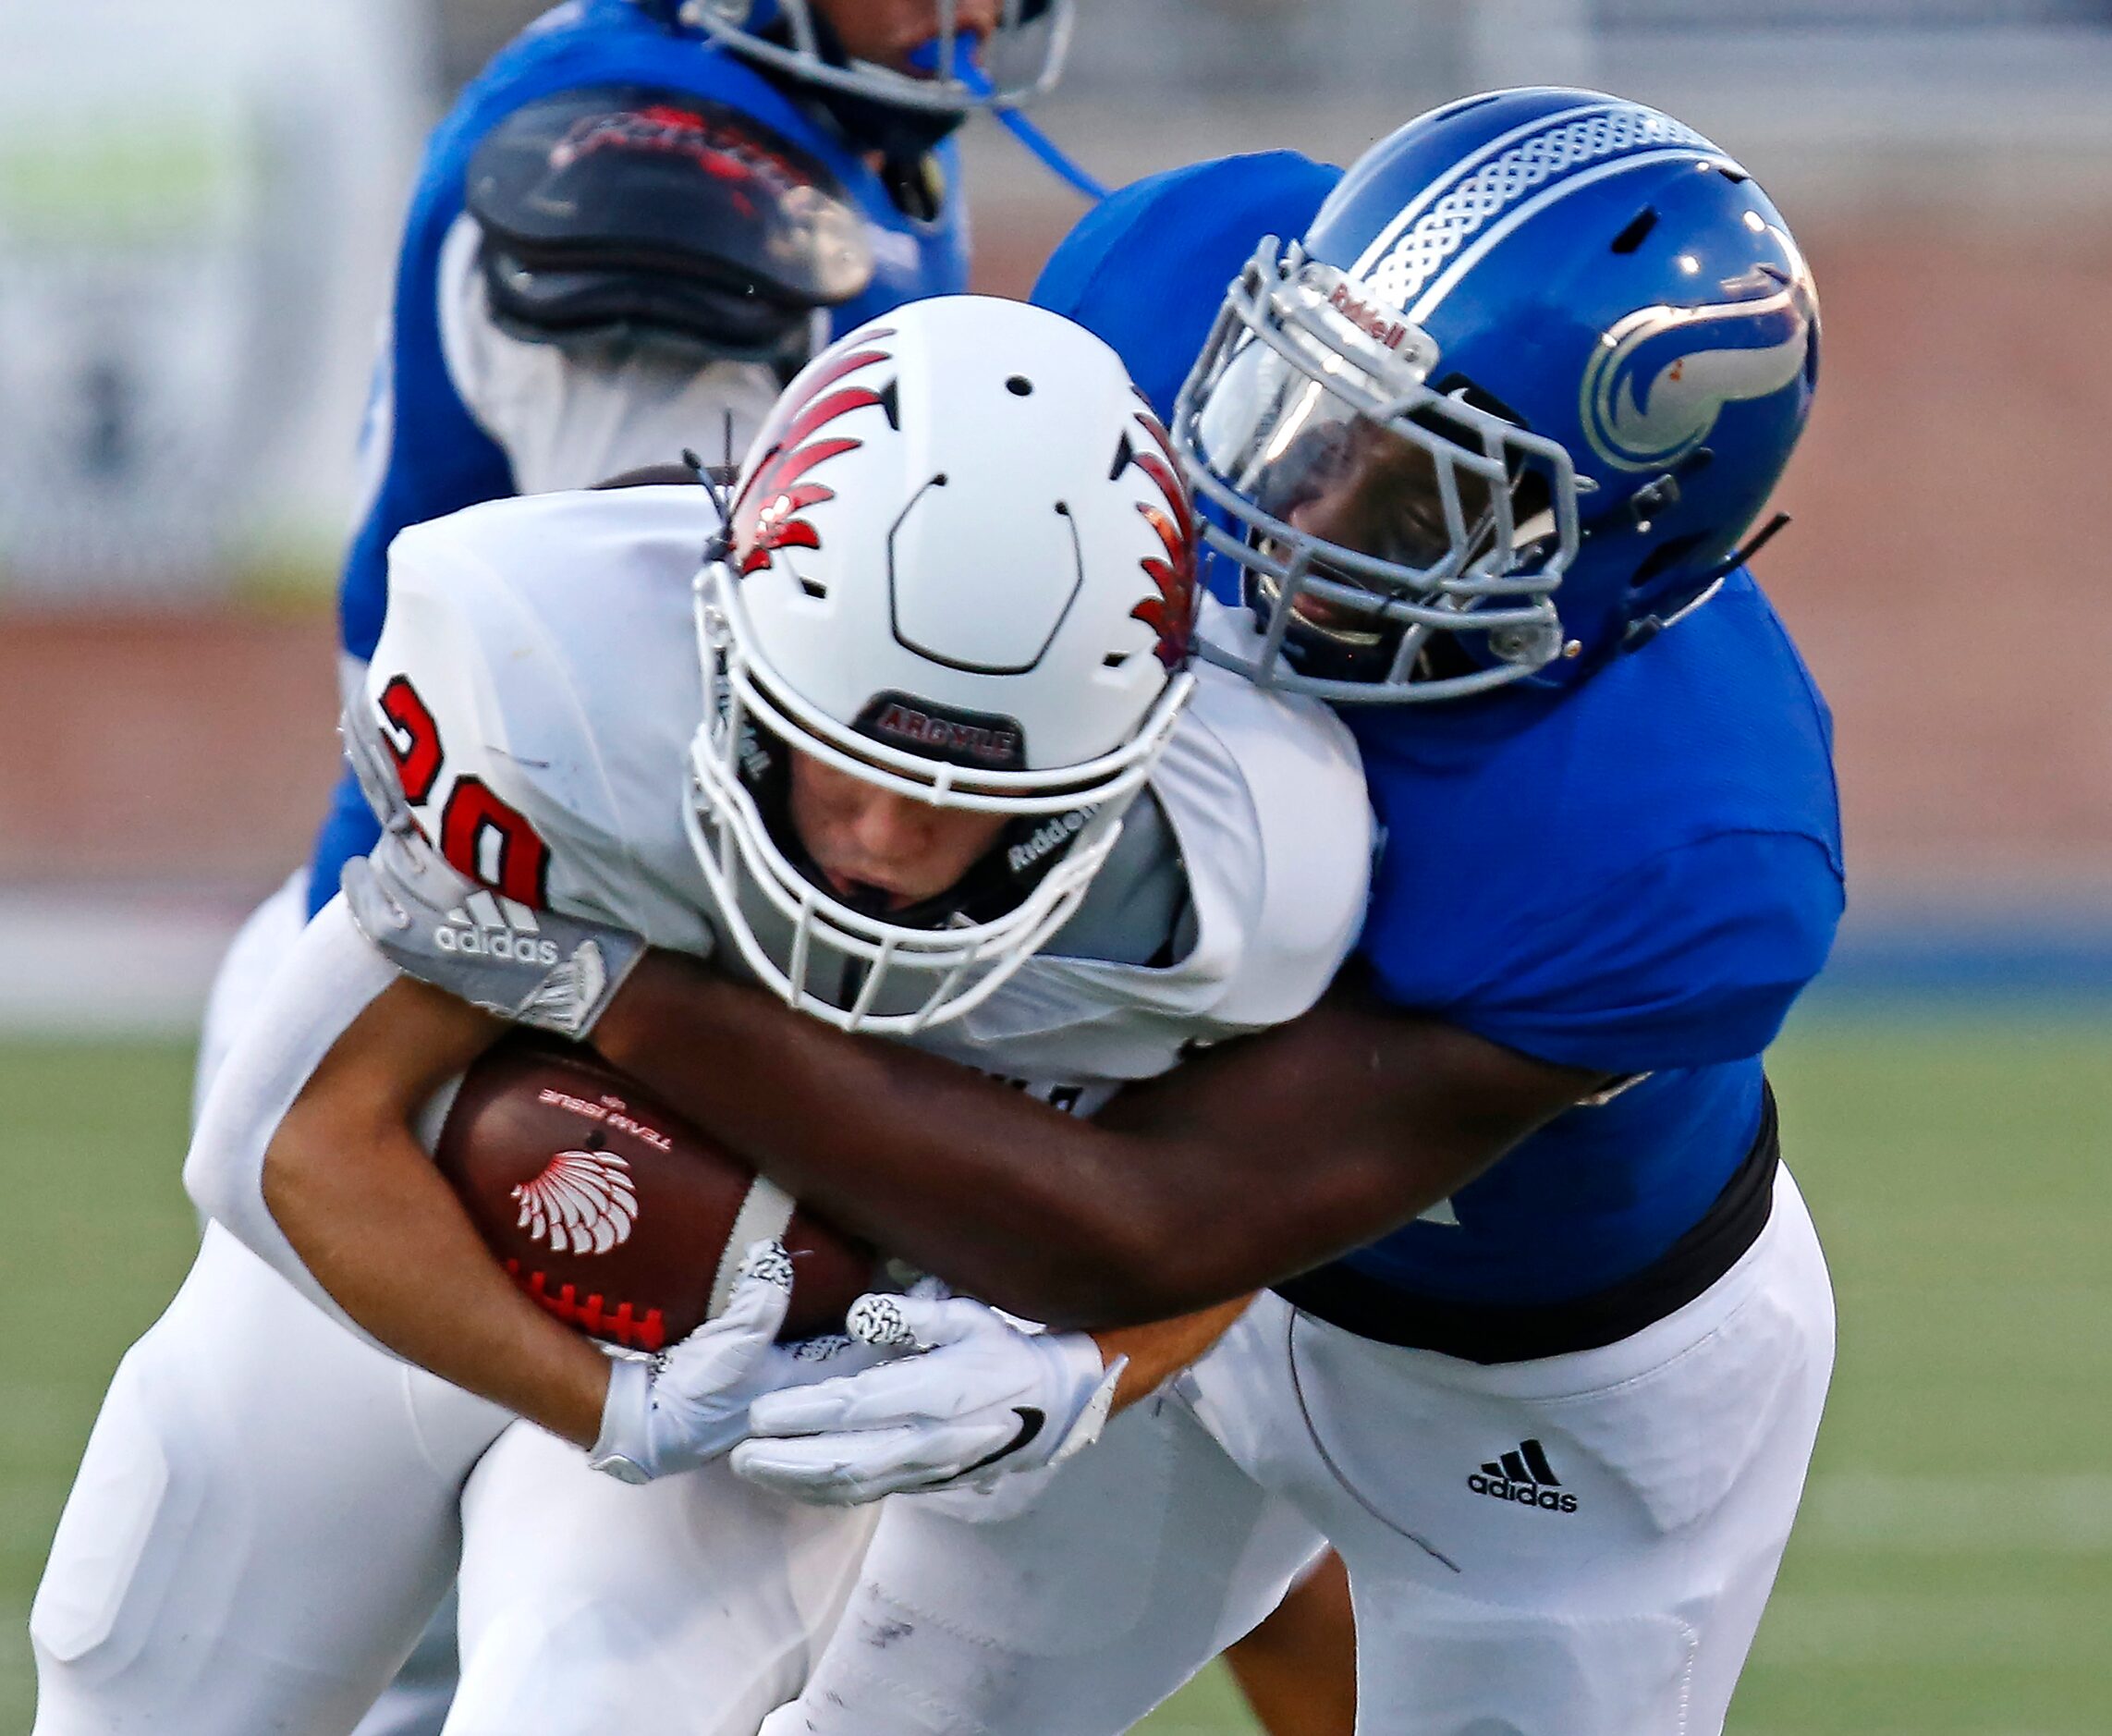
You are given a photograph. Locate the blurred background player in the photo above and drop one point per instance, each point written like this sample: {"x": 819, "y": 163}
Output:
{"x": 1548, "y": 1331}
{"x": 633, "y": 226}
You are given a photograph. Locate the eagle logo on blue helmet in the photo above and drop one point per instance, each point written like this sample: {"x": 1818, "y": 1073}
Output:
{"x": 1661, "y": 377}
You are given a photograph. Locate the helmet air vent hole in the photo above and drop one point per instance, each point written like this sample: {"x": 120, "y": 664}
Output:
{"x": 1639, "y": 227}
{"x": 1124, "y": 453}
{"x": 1113, "y": 660}
{"x": 1020, "y": 386}
{"x": 891, "y": 403}
{"x": 814, "y": 589}
{"x": 1736, "y": 177}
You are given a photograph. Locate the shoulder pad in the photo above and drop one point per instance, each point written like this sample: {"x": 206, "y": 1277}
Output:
{"x": 1146, "y": 269}
{"x": 628, "y": 206}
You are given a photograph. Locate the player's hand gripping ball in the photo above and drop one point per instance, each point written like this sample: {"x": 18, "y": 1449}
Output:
{"x": 619, "y": 1217}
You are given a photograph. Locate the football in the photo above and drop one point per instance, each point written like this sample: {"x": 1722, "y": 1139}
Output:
{"x": 617, "y": 1216}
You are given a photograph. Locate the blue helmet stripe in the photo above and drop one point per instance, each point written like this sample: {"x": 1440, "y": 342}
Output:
{"x": 1439, "y": 185}
{"x": 1461, "y": 264}
{"x": 1485, "y": 187}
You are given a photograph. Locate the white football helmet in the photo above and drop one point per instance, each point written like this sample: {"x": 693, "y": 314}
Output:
{"x": 959, "y": 566}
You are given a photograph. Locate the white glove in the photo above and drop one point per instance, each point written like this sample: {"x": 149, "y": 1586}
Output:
{"x": 685, "y": 1406}
{"x": 540, "y": 968}
{"x": 984, "y": 1401}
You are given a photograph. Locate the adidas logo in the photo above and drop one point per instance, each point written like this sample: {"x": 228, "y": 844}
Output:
{"x": 493, "y": 927}
{"x": 1523, "y": 1475}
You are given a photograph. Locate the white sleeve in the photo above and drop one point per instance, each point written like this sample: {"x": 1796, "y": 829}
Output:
{"x": 571, "y": 415}
{"x": 323, "y": 984}
{"x": 1265, "y": 795}
{"x": 1290, "y": 893}
{"x": 502, "y": 658}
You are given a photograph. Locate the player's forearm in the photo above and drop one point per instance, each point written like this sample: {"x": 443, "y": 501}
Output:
{"x": 1214, "y": 1185}
{"x": 358, "y": 1199}
{"x": 379, "y": 1231}
{"x": 928, "y": 1160}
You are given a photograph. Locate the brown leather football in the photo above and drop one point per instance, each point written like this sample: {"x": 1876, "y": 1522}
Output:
{"x": 618, "y": 1216}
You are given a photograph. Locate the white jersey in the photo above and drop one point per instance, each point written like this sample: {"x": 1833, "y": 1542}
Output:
{"x": 539, "y": 682}
{"x": 539, "y": 677}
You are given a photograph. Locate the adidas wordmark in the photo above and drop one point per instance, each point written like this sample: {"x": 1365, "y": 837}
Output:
{"x": 1523, "y": 1475}
{"x": 494, "y": 928}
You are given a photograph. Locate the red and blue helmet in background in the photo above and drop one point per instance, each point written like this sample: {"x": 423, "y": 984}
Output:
{"x": 1510, "y": 406}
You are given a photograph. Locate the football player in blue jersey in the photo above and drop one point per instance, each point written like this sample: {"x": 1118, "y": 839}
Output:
{"x": 633, "y": 226}
{"x": 626, "y": 235}
{"x": 1543, "y": 1331}
{"x": 636, "y": 223}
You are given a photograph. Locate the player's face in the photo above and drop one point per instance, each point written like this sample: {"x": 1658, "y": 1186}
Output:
{"x": 885, "y": 32}
{"x": 1307, "y": 455}
{"x": 1365, "y": 488}
{"x": 866, "y": 842}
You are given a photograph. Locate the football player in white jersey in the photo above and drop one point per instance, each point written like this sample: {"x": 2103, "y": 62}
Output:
{"x": 941, "y": 773}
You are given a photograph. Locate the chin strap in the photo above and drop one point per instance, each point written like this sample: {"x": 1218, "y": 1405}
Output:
{"x": 1014, "y": 121}
{"x": 1640, "y": 633}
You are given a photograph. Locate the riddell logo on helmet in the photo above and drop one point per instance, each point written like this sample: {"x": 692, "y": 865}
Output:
{"x": 1372, "y": 320}
{"x": 1057, "y": 832}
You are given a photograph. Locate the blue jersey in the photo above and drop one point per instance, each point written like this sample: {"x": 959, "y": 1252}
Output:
{"x": 1636, "y": 876}
{"x": 437, "y": 458}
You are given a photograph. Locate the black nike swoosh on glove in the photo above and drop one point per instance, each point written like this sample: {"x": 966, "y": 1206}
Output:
{"x": 1030, "y": 1422}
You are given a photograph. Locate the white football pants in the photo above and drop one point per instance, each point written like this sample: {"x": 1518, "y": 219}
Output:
{"x": 266, "y": 936}
{"x": 265, "y": 1518}
{"x": 415, "y": 1703}
{"x": 1610, "y": 1586}
{"x": 268, "y": 1512}
{"x": 690, "y": 1607}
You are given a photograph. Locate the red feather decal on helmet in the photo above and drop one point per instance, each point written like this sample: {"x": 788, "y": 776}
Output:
{"x": 1170, "y": 614}
{"x": 765, "y": 516}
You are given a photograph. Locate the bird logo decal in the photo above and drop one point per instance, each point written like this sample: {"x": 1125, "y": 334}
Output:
{"x": 582, "y": 1203}
{"x": 766, "y": 516}
{"x": 1171, "y": 612}
{"x": 1663, "y": 375}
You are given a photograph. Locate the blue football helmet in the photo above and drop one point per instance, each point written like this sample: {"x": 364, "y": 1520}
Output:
{"x": 1022, "y": 58}
{"x": 1508, "y": 406}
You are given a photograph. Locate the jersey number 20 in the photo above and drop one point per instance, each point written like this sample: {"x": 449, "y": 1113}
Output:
{"x": 481, "y": 835}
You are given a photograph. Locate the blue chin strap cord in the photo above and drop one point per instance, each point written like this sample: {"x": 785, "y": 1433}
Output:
{"x": 925, "y": 59}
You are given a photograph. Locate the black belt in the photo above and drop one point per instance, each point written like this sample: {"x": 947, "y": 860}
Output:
{"x": 1488, "y": 1332}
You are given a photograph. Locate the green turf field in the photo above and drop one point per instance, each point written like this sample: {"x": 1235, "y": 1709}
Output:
{"x": 1953, "y": 1571}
